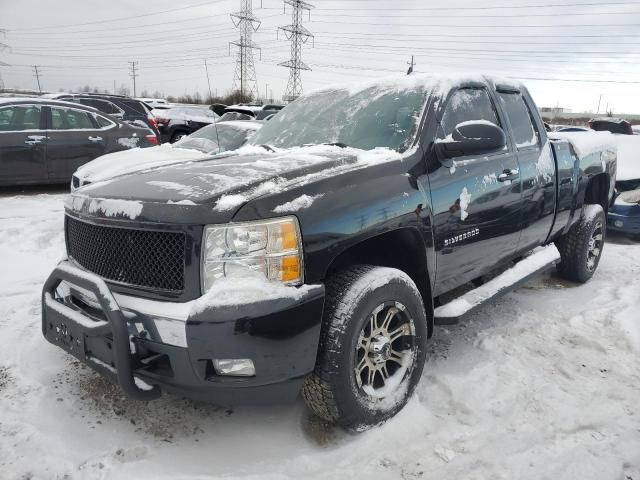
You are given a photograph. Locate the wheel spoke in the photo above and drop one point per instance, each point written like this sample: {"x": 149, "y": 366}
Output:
{"x": 385, "y": 373}
{"x": 596, "y": 252}
{"x": 401, "y": 331}
{"x": 387, "y": 319}
{"x": 361, "y": 365}
{"x": 373, "y": 324}
{"x": 598, "y": 237}
{"x": 397, "y": 357}
{"x": 371, "y": 376}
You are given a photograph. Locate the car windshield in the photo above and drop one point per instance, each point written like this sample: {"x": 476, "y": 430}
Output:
{"x": 376, "y": 117}
{"x": 206, "y": 139}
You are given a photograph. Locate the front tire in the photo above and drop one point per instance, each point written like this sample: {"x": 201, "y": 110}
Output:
{"x": 581, "y": 248}
{"x": 372, "y": 347}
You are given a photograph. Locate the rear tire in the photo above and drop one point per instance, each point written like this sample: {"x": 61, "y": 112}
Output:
{"x": 581, "y": 248}
{"x": 178, "y": 136}
{"x": 372, "y": 347}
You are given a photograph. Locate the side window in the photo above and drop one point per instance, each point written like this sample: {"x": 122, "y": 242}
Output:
{"x": 70, "y": 119}
{"x": 103, "y": 122}
{"x": 20, "y": 117}
{"x": 468, "y": 104}
{"x": 525, "y": 134}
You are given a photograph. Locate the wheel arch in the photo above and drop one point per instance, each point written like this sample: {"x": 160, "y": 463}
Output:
{"x": 597, "y": 191}
{"x": 404, "y": 249}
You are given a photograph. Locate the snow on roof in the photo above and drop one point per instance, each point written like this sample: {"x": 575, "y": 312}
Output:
{"x": 404, "y": 82}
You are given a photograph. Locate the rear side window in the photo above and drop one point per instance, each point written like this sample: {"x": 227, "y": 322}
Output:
{"x": 102, "y": 105}
{"x": 20, "y": 117}
{"x": 70, "y": 119}
{"x": 468, "y": 104}
{"x": 103, "y": 122}
{"x": 525, "y": 135}
{"x": 137, "y": 107}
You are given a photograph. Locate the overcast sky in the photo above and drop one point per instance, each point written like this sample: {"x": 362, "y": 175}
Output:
{"x": 560, "y": 51}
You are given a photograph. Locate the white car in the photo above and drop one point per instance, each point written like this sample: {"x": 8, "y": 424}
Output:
{"x": 210, "y": 140}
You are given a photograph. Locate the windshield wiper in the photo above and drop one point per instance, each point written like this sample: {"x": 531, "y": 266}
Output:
{"x": 268, "y": 148}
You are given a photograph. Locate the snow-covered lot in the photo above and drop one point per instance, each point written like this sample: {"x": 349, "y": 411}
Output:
{"x": 543, "y": 384}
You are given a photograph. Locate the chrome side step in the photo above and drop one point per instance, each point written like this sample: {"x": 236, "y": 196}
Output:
{"x": 541, "y": 260}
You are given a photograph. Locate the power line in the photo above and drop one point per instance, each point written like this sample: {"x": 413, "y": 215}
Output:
{"x": 120, "y": 19}
{"x": 496, "y": 7}
{"x": 244, "y": 78}
{"x": 298, "y": 35}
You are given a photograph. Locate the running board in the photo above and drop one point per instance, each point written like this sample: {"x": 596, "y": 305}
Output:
{"x": 541, "y": 260}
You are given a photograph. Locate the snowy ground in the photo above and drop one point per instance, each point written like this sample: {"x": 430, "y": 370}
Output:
{"x": 545, "y": 384}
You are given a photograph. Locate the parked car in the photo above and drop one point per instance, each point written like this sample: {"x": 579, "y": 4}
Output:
{"x": 180, "y": 121}
{"x": 613, "y": 125}
{"x": 210, "y": 140}
{"x": 572, "y": 129}
{"x": 45, "y": 141}
{"x": 152, "y": 103}
{"x": 624, "y": 214}
{"x": 246, "y": 111}
{"x": 123, "y": 108}
{"x": 313, "y": 257}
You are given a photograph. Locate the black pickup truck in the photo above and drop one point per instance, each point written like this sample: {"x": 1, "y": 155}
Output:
{"x": 317, "y": 258}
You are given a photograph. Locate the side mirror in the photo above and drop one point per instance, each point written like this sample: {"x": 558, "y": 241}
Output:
{"x": 476, "y": 137}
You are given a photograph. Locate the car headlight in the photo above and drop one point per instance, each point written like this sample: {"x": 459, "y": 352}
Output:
{"x": 270, "y": 247}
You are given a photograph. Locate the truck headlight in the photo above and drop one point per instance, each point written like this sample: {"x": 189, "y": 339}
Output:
{"x": 271, "y": 247}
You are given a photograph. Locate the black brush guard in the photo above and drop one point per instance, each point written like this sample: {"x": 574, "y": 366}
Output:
{"x": 62, "y": 326}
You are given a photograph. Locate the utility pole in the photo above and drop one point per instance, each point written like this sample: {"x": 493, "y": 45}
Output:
{"x": 298, "y": 36}
{"x": 411, "y": 65}
{"x": 266, "y": 90}
{"x": 599, "y": 101}
{"x": 206, "y": 67}
{"x": 2, "y": 64}
{"x": 247, "y": 23}
{"x": 114, "y": 87}
{"x": 36, "y": 73}
{"x": 133, "y": 74}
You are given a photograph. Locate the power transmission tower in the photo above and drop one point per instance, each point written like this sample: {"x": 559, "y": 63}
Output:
{"x": 298, "y": 35}
{"x": 133, "y": 74}
{"x": 36, "y": 73}
{"x": 244, "y": 79}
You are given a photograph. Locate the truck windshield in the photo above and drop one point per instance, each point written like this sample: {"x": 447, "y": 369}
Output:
{"x": 376, "y": 117}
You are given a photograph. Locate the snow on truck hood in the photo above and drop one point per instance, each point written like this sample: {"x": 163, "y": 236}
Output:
{"x": 134, "y": 160}
{"x": 223, "y": 183}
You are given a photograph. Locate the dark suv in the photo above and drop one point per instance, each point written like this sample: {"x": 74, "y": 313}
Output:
{"x": 118, "y": 106}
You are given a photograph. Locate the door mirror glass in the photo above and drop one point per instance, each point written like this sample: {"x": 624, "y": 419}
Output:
{"x": 476, "y": 137}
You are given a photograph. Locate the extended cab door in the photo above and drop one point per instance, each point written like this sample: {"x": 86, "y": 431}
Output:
{"x": 537, "y": 166}
{"x": 23, "y": 143}
{"x": 74, "y": 139}
{"x": 476, "y": 199}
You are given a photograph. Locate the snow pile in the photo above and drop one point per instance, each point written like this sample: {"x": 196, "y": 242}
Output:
{"x": 108, "y": 207}
{"x": 628, "y": 157}
{"x": 300, "y": 203}
{"x": 587, "y": 143}
{"x": 245, "y": 290}
{"x": 541, "y": 384}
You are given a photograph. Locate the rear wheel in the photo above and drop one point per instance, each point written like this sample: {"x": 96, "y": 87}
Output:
{"x": 372, "y": 349}
{"x": 177, "y": 136}
{"x": 581, "y": 248}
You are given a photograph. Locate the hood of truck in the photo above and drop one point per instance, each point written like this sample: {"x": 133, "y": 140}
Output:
{"x": 209, "y": 190}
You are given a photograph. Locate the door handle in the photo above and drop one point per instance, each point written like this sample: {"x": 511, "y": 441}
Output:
{"x": 508, "y": 174}
{"x": 95, "y": 139}
{"x": 35, "y": 139}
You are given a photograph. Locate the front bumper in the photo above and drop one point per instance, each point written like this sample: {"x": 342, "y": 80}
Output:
{"x": 624, "y": 219}
{"x": 128, "y": 339}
